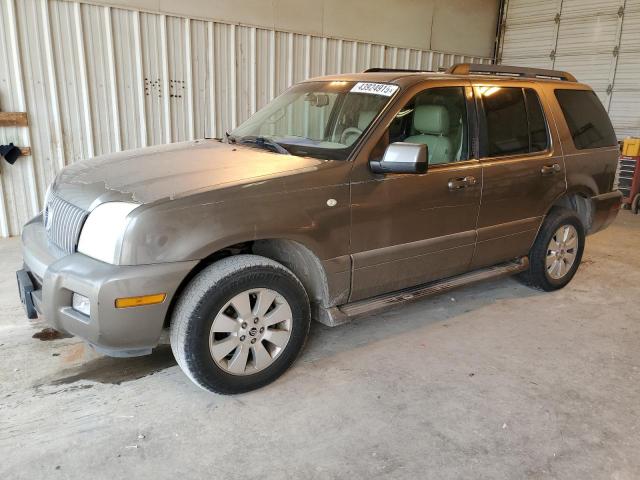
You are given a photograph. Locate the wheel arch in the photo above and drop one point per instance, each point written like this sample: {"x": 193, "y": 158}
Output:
{"x": 298, "y": 258}
{"x": 577, "y": 199}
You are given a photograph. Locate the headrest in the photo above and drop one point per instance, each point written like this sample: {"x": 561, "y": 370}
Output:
{"x": 431, "y": 119}
{"x": 365, "y": 118}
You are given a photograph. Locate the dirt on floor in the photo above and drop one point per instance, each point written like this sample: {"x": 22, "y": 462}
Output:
{"x": 495, "y": 381}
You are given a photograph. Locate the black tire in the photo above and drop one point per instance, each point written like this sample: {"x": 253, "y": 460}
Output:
{"x": 537, "y": 275}
{"x": 207, "y": 294}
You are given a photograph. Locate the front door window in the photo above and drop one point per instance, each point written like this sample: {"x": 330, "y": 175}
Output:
{"x": 436, "y": 117}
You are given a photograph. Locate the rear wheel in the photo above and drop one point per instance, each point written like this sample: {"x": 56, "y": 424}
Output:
{"x": 240, "y": 324}
{"x": 556, "y": 252}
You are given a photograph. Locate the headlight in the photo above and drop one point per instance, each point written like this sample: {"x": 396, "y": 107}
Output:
{"x": 101, "y": 236}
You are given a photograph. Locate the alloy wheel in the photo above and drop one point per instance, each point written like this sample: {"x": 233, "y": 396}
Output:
{"x": 562, "y": 251}
{"x": 250, "y": 332}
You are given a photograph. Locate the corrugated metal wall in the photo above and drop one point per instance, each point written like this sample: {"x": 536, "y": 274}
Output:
{"x": 597, "y": 40}
{"x": 97, "y": 79}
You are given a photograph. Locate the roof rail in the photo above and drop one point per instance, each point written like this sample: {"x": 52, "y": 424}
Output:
{"x": 382, "y": 69}
{"x": 484, "y": 69}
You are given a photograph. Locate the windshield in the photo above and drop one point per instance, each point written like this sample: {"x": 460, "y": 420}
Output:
{"x": 316, "y": 119}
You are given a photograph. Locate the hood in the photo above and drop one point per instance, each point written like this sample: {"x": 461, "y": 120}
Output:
{"x": 171, "y": 171}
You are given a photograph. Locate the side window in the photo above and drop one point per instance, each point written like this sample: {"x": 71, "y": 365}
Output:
{"x": 537, "y": 126}
{"x": 436, "y": 117}
{"x": 587, "y": 119}
{"x": 514, "y": 121}
{"x": 505, "y": 111}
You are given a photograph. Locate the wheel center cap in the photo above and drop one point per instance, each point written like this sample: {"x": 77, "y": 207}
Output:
{"x": 253, "y": 332}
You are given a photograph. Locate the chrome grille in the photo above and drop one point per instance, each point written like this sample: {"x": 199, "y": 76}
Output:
{"x": 63, "y": 222}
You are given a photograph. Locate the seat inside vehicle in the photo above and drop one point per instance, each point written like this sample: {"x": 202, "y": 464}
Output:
{"x": 432, "y": 123}
{"x": 436, "y": 118}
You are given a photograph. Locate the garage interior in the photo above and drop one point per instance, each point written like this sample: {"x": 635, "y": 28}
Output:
{"x": 491, "y": 381}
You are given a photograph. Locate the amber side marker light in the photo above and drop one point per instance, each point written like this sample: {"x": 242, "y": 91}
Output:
{"x": 140, "y": 301}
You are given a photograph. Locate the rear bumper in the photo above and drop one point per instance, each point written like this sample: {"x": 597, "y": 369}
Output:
{"x": 605, "y": 210}
{"x": 113, "y": 331}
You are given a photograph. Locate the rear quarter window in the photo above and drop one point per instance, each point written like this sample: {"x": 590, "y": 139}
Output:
{"x": 586, "y": 118}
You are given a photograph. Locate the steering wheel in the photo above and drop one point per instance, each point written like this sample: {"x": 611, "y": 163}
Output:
{"x": 350, "y": 131}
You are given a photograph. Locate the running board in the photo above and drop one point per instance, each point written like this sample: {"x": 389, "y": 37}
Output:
{"x": 339, "y": 315}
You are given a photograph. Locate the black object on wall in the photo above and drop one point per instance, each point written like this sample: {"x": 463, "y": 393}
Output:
{"x": 10, "y": 153}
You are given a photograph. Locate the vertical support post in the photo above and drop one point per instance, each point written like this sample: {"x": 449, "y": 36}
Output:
{"x": 166, "y": 98}
{"x": 21, "y": 104}
{"x": 232, "y": 75}
{"x": 290, "y": 60}
{"x": 137, "y": 45}
{"x": 212, "y": 80}
{"x": 53, "y": 85}
{"x": 113, "y": 82}
{"x": 272, "y": 64}
{"x": 189, "y": 79}
{"x": 354, "y": 57}
{"x": 323, "y": 56}
{"x": 253, "y": 93}
{"x": 84, "y": 83}
{"x": 307, "y": 74}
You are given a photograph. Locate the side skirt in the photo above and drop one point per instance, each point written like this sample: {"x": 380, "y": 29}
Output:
{"x": 338, "y": 315}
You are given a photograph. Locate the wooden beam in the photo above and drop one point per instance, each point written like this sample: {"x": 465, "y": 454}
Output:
{"x": 13, "y": 119}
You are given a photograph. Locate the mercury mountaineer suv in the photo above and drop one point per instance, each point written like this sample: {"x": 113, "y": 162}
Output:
{"x": 345, "y": 195}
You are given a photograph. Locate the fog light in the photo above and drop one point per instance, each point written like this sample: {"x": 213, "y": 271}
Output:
{"x": 81, "y": 304}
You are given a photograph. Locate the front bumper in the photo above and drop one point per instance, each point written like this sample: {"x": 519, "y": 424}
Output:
{"x": 605, "y": 210}
{"x": 114, "y": 331}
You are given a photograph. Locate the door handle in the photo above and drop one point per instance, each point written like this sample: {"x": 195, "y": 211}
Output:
{"x": 462, "y": 182}
{"x": 550, "y": 169}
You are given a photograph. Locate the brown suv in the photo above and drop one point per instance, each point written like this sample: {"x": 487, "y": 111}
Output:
{"x": 344, "y": 195}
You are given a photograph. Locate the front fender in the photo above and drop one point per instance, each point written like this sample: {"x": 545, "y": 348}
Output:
{"x": 195, "y": 227}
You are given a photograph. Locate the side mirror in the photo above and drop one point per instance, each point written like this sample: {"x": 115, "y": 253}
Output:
{"x": 402, "y": 157}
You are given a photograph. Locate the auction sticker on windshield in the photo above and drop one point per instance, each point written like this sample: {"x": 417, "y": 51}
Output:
{"x": 376, "y": 88}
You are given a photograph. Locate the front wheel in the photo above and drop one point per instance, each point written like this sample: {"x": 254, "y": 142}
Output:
{"x": 239, "y": 324}
{"x": 556, "y": 252}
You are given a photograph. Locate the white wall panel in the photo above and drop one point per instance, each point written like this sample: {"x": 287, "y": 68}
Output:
{"x": 102, "y": 78}
{"x": 17, "y": 185}
{"x": 37, "y": 94}
{"x": 97, "y": 79}
{"x": 129, "y": 78}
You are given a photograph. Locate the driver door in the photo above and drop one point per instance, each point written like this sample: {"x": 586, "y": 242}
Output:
{"x": 409, "y": 229}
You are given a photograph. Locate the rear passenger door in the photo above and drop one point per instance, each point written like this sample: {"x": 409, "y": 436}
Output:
{"x": 522, "y": 169}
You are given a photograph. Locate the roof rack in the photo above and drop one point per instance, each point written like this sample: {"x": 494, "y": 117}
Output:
{"x": 381, "y": 69}
{"x": 506, "y": 70}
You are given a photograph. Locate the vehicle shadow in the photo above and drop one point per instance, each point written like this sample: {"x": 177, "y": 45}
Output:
{"x": 118, "y": 370}
{"x": 323, "y": 341}
{"x": 326, "y": 342}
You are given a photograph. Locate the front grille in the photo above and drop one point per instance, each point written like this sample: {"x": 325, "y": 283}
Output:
{"x": 63, "y": 222}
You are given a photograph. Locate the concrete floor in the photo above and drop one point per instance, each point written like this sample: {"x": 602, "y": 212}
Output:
{"x": 495, "y": 381}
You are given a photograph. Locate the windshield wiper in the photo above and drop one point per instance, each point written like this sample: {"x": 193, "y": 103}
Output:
{"x": 262, "y": 142}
